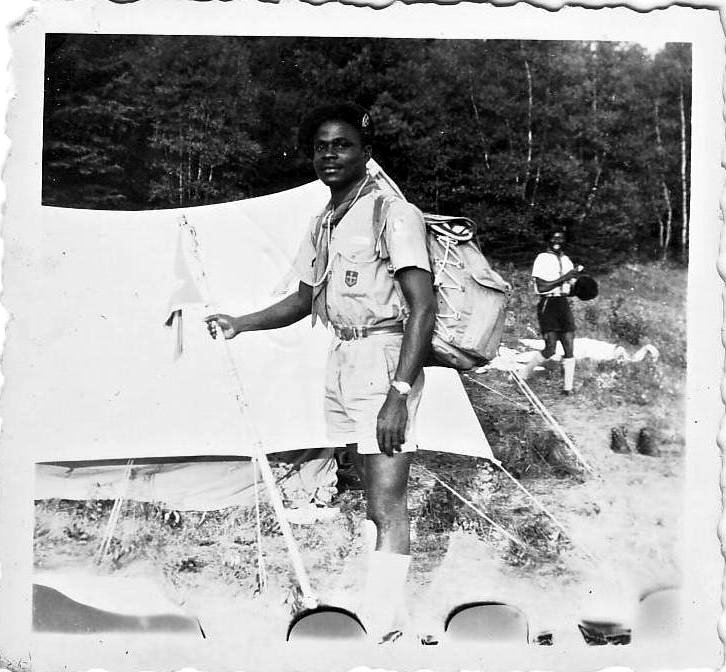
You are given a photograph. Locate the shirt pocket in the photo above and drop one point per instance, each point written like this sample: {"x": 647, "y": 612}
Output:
{"x": 357, "y": 249}
{"x": 360, "y": 289}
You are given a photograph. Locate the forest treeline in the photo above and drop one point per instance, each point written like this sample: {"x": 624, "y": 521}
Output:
{"x": 518, "y": 135}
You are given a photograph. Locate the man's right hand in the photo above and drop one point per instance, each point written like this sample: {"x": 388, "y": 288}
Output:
{"x": 224, "y": 323}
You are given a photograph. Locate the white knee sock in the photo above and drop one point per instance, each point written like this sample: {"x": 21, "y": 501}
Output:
{"x": 384, "y": 592}
{"x": 370, "y": 536}
{"x": 568, "y": 370}
{"x": 532, "y": 364}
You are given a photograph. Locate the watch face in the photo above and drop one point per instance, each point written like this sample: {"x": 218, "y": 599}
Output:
{"x": 403, "y": 388}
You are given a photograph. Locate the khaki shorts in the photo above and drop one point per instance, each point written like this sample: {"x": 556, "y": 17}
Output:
{"x": 358, "y": 377}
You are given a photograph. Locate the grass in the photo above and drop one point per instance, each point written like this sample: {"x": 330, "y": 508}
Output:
{"x": 639, "y": 304}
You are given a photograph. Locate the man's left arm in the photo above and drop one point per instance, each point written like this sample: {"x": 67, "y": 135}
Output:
{"x": 417, "y": 289}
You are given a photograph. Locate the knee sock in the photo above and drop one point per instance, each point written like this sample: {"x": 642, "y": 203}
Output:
{"x": 370, "y": 536}
{"x": 533, "y": 363}
{"x": 384, "y": 592}
{"x": 568, "y": 370}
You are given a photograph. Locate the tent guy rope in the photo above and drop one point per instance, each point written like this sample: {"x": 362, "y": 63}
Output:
{"x": 497, "y": 392}
{"x": 471, "y": 505}
{"x": 547, "y": 416}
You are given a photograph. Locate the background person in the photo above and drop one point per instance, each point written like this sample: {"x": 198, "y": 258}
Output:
{"x": 554, "y": 275}
{"x": 381, "y": 307}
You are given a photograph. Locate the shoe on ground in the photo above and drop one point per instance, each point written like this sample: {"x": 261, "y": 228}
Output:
{"x": 391, "y": 637}
{"x": 566, "y": 393}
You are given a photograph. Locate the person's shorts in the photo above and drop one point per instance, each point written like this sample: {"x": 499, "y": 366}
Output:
{"x": 358, "y": 377}
{"x": 554, "y": 314}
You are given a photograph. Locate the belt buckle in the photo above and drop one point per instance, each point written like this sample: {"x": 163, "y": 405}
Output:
{"x": 352, "y": 333}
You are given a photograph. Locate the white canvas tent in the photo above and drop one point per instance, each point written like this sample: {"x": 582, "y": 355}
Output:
{"x": 95, "y": 374}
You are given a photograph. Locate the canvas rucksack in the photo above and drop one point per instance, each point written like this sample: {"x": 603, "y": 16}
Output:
{"x": 471, "y": 297}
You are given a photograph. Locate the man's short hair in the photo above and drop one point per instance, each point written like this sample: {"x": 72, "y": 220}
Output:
{"x": 353, "y": 114}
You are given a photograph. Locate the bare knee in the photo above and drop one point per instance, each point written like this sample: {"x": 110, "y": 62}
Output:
{"x": 568, "y": 345}
{"x": 550, "y": 339}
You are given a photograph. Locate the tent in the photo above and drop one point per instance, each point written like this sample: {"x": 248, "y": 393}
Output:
{"x": 98, "y": 376}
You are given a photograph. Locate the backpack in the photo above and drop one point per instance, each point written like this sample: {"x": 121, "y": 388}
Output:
{"x": 471, "y": 297}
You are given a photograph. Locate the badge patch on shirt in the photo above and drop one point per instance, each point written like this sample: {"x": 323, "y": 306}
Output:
{"x": 351, "y": 278}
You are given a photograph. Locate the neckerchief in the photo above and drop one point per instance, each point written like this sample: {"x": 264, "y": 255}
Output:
{"x": 326, "y": 222}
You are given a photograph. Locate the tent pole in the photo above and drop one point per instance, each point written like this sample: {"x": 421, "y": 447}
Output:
{"x": 261, "y": 571}
{"x": 114, "y": 515}
{"x": 309, "y": 598}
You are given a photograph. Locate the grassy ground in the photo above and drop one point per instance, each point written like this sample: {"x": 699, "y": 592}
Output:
{"x": 613, "y": 533}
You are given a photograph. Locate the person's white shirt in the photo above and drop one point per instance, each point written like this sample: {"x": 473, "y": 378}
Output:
{"x": 549, "y": 266}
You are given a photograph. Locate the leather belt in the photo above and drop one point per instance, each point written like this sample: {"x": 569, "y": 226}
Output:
{"x": 354, "y": 333}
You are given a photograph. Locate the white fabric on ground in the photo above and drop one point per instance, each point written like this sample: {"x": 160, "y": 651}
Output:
{"x": 509, "y": 359}
{"x": 91, "y": 373}
{"x": 591, "y": 348}
{"x": 536, "y": 360}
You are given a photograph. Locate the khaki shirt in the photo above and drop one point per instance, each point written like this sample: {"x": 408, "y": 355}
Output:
{"x": 361, "y": 288}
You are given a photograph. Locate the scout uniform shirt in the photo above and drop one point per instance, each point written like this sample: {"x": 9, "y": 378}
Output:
{"x": 361, "y": 290}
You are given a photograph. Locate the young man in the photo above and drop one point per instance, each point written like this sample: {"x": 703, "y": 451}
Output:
{"x": 554, "y": 275}
{"x": 377, "y": 298}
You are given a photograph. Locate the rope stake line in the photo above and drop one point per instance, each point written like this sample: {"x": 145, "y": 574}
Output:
{"x": 310, "y": 600}
{"x": 497, "y": 392}
{"x": 471, "y": 505}
{"x": 551, "y": 516}
{"x": 547, "y": 416}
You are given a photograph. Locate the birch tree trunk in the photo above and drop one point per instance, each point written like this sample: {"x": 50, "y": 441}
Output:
{"x": 669, "y": 220}
{"x": 475, "y": 108}
{"x": 666, "y": 236}
{"x": 529, "y": 125}
{"x": 684, "y": 185}
{"x": 593, "y": 189}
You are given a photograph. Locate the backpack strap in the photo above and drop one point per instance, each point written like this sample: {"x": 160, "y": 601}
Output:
{"x": 380, "y": 215}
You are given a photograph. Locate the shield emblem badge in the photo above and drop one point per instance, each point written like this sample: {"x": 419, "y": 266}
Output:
{"x": 351, "y": 278}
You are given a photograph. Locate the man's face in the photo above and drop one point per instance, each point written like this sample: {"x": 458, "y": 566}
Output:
{"x": 557, "y": 240}
{"x": 339, "y": 157}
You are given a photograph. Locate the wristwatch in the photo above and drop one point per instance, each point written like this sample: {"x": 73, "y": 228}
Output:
{"x": 402, "y": 388}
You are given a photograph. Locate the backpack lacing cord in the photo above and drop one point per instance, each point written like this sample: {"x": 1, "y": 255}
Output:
{"x": 450, "y": 259}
